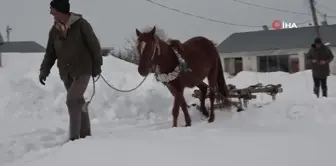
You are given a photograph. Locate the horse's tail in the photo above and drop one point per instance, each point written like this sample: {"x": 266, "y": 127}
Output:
{"x": 222, "y": 87}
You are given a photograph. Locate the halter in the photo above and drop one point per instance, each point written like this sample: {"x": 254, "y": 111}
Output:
{"x": 157, "y": 50}
{"x": 156, "y": 47}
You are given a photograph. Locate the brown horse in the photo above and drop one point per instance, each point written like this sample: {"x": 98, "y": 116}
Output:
{"x": 166, "y": 61}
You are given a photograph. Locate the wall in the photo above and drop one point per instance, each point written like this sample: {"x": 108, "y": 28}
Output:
{"x": 250, "y": 59}
{"x": 9, "y": 60}
{"x": 250, "y": 62}
{"x": 301, "y": 57}
{"x": 333, "y": 63}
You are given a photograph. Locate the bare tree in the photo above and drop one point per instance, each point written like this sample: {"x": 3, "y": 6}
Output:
{"x": 131, "y": 52}
{"x": 107, "y": 51}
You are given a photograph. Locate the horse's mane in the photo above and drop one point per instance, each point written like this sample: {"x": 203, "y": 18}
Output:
{"x": 159, "y": 32}
{"x": 175, "y": 44}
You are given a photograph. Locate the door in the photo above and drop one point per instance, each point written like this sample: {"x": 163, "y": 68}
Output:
{"x": 238, "y": 65}
{"x": 294, "y": 63}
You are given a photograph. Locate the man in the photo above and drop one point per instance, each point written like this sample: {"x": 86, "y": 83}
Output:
{"x": 320, "y": 56}
{"x": 76, "y": 48}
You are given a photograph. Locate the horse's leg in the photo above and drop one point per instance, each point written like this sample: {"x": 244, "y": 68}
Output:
{"x": 203, "y": 90}
{"x": 185, "y": 109}
{"x": 176, "y": 110}
{"x": 176, "y": 105}
{"x": 212, "y": 112}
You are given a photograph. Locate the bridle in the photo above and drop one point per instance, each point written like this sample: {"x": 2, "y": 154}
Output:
{"x": 156, "y": 52}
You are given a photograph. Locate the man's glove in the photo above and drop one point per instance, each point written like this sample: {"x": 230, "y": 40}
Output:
{"x": 42, "y": 78}
{"x": 96, "y": 72}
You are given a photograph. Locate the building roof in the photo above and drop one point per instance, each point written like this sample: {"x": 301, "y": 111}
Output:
{"x": 276, "y": 39}
{"x": 21, "y": 47}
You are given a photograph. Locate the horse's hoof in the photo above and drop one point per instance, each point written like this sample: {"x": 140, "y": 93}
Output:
{"x": 211, "y": 120}
{"x": 240, "y": 109}
{"x": 205, "y": 114}
{"x": 188, "y": 125}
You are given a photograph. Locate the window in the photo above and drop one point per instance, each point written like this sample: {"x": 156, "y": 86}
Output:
{"x": 233, "y": 65}
{"x": 273, "y": 63}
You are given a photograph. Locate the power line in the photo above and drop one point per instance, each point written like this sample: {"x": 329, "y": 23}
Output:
{"x": 209, "y": 19}
{"x": 323, "y": 15}
{"x": 304, "y": 22}
{"x": 202, "y": 17}
{"x": 320, "y": 13}
{"x": 270, "y": 8}
{"x": 325, "y": 6}
{"x": 276, "y": 9}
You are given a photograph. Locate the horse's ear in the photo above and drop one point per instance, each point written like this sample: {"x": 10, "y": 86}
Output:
{"x": 153, "y": 31}
{"x": 138, "y": 33}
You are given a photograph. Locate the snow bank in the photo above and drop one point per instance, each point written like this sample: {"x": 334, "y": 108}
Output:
{"x": 27, "y": 105}
{"x": 137, "y": 125}
{"x": 27, "y": 98}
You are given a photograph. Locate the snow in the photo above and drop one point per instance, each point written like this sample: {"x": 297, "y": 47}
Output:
{"x": 135, "y": 128}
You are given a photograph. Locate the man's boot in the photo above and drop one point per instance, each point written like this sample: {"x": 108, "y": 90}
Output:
{"x": 317, "y": 91}
{"x": 85, "y": 125}
{"x": 325, "y": 92}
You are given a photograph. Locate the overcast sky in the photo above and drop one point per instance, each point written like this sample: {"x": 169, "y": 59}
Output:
{"x": 116, "y": 20}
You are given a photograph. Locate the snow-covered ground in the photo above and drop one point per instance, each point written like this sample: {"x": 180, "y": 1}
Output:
{"x": 135, "y": 128}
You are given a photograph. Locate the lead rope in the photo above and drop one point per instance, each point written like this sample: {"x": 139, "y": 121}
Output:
{"x": 86, "y": 104}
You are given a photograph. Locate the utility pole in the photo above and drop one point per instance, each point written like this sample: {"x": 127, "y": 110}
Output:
{"x": 313, "y": 10}
{"x": 1, "y": 43}
{"x": 8, "y": 31}
{"x": 325, "y": 21}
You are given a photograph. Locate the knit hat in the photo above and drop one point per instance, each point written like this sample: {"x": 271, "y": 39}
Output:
{"x": 62, "y": 6}
{"x": 317, "y": 41}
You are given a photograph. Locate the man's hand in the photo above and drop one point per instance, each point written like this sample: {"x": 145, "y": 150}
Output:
{"x": 322, "y": 62}
{"x": 314, "y": 60}
{"x": 96, "y": 72}
{"x": 42, "y": 78}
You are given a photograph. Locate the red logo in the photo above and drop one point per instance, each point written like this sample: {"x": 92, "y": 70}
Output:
{"x": 277, "y": 24}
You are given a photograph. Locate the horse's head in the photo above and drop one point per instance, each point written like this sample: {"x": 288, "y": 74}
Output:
{"x": 148, "y": 48}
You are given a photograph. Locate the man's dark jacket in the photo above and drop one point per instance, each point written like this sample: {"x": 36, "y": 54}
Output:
{"x": 323, "y": 53}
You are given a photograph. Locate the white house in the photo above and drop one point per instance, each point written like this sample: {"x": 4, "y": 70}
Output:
{"x": 273, "y": 50}
{"x": 30, "y": 47}
{"x": 19, "y": 47}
